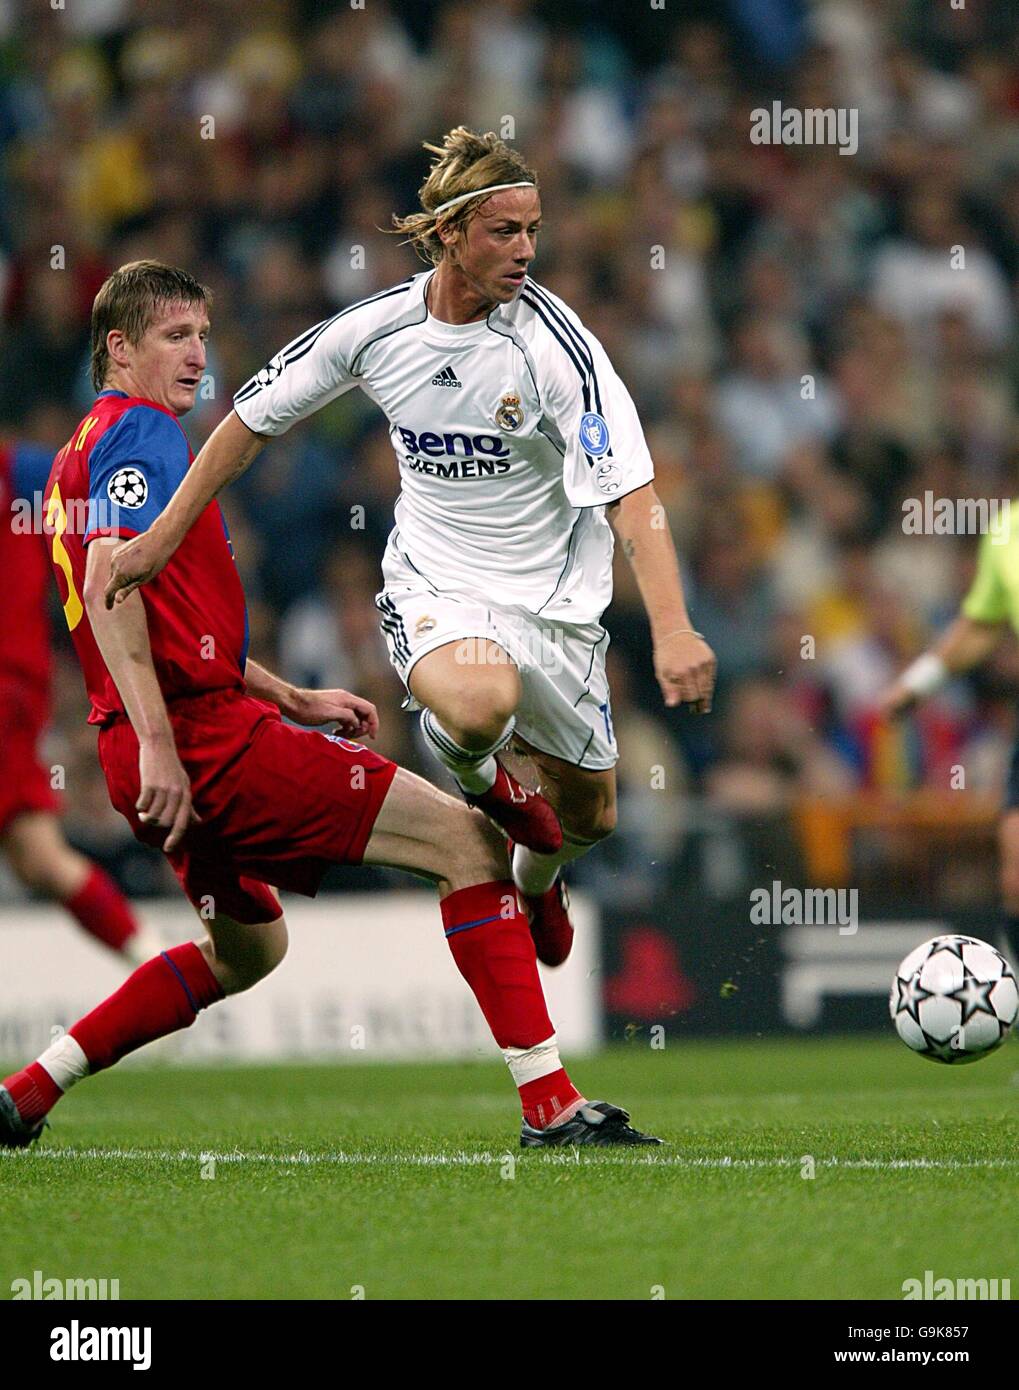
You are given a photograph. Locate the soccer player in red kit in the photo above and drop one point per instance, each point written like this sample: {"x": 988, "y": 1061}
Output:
{"x": 198, "y": 759}
{"x": 30, "y": 835}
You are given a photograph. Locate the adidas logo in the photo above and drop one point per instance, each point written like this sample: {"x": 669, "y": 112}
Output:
{"x": 447, "y": 377}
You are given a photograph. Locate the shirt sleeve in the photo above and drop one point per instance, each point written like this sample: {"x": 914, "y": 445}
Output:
{"x": 605, "y": 453}
{"x": 987, "y": 600}
{"x": 134, "y": 470}
{"x": 309, "y": 373}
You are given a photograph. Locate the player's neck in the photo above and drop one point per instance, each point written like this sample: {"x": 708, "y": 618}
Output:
{"x": 123, "y": 381}
{"x": 131, "y": 386}
{"x": 452, "y": 298}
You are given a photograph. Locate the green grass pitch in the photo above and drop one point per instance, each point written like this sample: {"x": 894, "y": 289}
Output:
{"x": 394, "y": 1180}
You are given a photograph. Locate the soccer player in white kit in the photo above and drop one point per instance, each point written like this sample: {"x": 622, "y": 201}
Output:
{"x": 517, "y": 446}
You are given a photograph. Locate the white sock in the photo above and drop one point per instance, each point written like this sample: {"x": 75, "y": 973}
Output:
{"x": 64, "y": 1061}
{"x": 474, "y": 769}
{"x": 535, "y": 874}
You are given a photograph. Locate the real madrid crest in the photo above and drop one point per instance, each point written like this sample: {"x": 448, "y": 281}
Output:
{"x": 510, "y": 415}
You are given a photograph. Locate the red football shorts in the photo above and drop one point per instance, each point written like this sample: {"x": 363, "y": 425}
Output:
{"x": 24, "y": 782}
{"x": 279, "y": 805}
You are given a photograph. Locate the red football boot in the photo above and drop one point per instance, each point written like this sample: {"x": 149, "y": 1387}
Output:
{"x": 551, "y": 927}
{"x": 526, "y": 816}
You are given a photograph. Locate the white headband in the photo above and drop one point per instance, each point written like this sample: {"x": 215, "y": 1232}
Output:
{"x": 492, "y": 188}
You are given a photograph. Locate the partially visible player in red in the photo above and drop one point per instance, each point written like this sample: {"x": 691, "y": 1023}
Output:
{"x": 30, "y": 835}
{"x": 199, "y": 761}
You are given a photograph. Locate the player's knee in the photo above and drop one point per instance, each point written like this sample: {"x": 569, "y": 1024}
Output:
{"x": 591, "y": 823}
{"x": 273, "y": 943}
{"x": 32, "y": 872}
{"x": 481, "y": 721}
{"x": 484, "y": 706}
{"x": 261, "y": 952}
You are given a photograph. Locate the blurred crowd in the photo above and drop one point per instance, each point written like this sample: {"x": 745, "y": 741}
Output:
{"x": 811, "y": 337}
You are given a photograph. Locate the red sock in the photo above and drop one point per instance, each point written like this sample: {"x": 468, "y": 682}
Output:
{"x": 545, "y": 1100}
{"x": 162, "y": 996}
{"x": 102, "y": 910}
{"x": 33, "y": 1091}
{"x": 492, "y": 946}
{"x": 494, "y": 952}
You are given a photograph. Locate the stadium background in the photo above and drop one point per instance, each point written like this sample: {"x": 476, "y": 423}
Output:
{"x": 775, "y": 264}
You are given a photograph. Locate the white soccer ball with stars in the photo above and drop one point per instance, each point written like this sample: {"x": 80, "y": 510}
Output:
{"x": 128, "y": 488}
{"x": 954, "y": 999}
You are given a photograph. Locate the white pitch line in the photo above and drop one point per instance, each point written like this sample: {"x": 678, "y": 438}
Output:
{"x": 472, "y": 1160}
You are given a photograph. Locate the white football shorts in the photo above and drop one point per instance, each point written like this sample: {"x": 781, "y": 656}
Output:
{"x": 564, "y": 707}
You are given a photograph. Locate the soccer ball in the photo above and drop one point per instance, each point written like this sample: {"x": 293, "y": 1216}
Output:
{"x": 953, "y": 999}
{"x": 128, "y": 488}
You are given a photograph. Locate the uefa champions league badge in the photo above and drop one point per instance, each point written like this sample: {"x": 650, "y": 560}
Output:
{"x": 510, "y": 415}
{"x": 270, "y": 371}
{"x": 594, "y": 434}
{"x": 127, "y": 488}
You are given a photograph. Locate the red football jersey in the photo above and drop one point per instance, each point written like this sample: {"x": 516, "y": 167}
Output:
{"x": 113, "y": 477}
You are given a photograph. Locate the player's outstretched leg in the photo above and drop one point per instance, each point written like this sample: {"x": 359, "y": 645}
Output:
{"x": 44, "y": 862}
{"x": 162, "y": 996}
{"x": 469, "y": 690}
{"x": 421, "y": 829}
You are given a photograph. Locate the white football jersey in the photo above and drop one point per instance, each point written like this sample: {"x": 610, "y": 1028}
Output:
{"x": 511, "y": 435}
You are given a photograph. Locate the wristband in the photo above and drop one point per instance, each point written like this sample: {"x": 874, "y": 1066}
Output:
{"x": 927, "y": 674}
{"x": 677, "y": 632}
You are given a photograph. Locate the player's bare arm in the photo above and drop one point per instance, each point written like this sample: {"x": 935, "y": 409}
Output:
{"x": 965, "y": 644}
{"x": 353, "y": 716}
{"x": 123, "y": 639}
{"x": 684, "y": 663}
{"x": 227, "y": 453}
